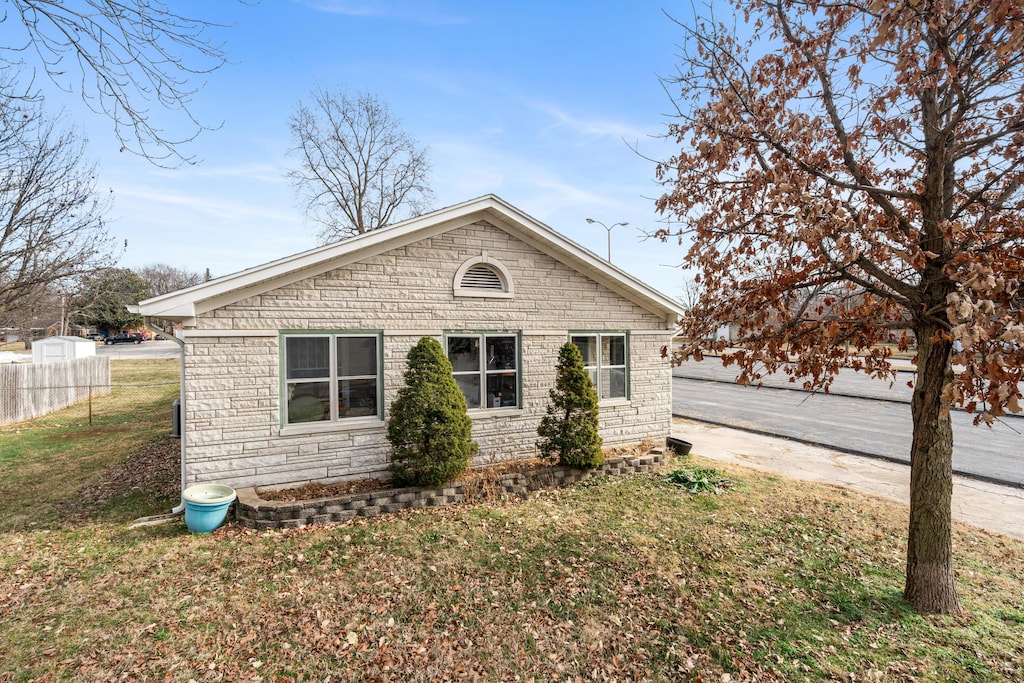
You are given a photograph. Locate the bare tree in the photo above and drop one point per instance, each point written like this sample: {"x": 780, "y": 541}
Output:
{"x": 162, "y": 278}
{"x": 358, "y": 171}
{"x": 851, "y": 167}
{"x": 51, "y": 217}
{"x": 36, "y": 313}
{"x": 124, "y": 56}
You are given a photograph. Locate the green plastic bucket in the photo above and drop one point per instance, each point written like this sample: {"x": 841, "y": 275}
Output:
{"x": 206, "y": 506}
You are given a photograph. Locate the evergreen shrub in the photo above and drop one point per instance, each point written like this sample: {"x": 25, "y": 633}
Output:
{"x": 429, "y": 429}
{"x": 569, "y": 430}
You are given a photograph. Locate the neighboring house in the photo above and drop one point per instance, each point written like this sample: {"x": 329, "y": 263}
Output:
{"x": 289, "y": 368}
{"x": 37, "y": 330}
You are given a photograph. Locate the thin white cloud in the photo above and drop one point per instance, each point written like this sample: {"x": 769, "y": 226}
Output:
{"x": 221, "y": 210}
{"x": 255, "y": 172}
{"x": 415, "y": 11}
{"x": 465, "y": 169}
{"x": 588, "y": 127}
{"x": 186, "y": 228}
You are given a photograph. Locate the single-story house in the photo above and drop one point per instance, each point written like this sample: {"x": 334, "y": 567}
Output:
{"x": 289, "y": 368}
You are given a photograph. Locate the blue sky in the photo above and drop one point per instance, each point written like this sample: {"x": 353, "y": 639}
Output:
{"x": 537, "y": 102}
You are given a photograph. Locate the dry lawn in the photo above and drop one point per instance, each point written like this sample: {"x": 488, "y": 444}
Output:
{"x": 619, "y": 579}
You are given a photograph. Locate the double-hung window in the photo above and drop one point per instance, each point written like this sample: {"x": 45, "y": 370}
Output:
{"x": 605, "y": 357}
{"x": 331, "y": 377}
{"x": 486, "y": 368}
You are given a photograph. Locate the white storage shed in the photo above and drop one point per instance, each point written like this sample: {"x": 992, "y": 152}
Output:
{"x": 56, "y": 349}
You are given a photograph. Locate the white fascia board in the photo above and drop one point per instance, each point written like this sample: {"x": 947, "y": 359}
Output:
{"x": 173, "y": 309}
{"x": 282, "y": 272}
{"x": 547, "y": 240}
{"x": 188, "y": 303}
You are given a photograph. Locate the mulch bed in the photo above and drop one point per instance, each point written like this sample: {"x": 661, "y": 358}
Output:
{"x": 478, "y": 476}
{"x": 477, "y": 479}
{"x": 154, "y": 467}
{"x": 315, "y": 490}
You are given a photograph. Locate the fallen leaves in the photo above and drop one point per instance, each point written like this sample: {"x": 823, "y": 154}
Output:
{"x": 612, "y": 581}
{"x": 152, "y": 467}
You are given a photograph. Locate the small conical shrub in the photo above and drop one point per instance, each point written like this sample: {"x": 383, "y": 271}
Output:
{"x": 569, "y": 430}
{"x": 429, "y": 429}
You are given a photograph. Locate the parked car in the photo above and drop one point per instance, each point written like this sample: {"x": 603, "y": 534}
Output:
{"x": 125, "y": 338}
{"x": 95, "y": 337}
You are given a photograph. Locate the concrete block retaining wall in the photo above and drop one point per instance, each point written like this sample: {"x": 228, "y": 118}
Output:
{"x": 255, "y": 513}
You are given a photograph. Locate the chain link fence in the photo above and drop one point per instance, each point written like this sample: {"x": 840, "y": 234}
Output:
{"x": 81, "y": 393}
{"x": 92, "y": 405}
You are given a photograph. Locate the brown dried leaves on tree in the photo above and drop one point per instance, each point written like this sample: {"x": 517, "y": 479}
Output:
{"x": 849, "y": 175}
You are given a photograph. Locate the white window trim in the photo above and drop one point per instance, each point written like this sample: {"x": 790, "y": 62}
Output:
{"x": 611, "y": 400}
{"x": 494, "y": 264}
{"x": 335, "y": 422}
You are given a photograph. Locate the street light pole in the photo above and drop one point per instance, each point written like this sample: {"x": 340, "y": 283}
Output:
{"x": 609, "y": 229}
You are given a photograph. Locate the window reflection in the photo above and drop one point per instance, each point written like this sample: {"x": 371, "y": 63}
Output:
{"x": 310, "y": 372}
{"x": 607, "y": 370}
{"x": 490, "y": 380}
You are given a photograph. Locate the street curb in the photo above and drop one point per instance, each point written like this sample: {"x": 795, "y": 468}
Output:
{"x": 841, "y": 394}
{"x": 843, "y": 449}
{"x": 898, "y": 368}
{"x": 804, "y": 391}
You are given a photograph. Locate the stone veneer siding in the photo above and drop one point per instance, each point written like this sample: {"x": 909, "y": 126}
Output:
{"x": 253, "y": 512}
{"x": 233, "y": 433}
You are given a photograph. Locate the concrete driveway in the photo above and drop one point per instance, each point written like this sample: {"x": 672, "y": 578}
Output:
{"x": 989, "y": 506}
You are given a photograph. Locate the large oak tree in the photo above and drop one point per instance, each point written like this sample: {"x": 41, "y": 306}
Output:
{"x": 850, "y": 172}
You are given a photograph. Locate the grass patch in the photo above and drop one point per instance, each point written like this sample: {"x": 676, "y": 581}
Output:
{"x": 45, "y": 463}
{"x": 621, "y": 579}
{"x": 617, "y": 579}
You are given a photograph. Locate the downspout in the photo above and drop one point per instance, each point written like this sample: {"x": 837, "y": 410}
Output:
{"x": 181, "y": 375}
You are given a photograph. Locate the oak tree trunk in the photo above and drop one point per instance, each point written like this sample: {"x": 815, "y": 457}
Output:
{"x": 930, "y": 583}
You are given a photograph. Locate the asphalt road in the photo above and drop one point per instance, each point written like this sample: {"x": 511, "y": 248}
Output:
{"x": 861, "y": 416}
{"x": 848, "y": 383}
{"x": 159, "y": 348}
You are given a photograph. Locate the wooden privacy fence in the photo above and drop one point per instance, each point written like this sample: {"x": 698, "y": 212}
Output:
{"x": 31, "y": 390}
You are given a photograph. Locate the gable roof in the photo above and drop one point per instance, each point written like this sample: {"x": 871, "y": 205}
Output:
{"x": 185, "y": 304}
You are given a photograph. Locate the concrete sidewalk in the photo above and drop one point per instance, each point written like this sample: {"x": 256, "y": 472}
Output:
{"x": 989, "y": 506}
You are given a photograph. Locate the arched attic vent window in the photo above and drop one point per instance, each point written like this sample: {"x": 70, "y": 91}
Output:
{"x": 483, "y": 276}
